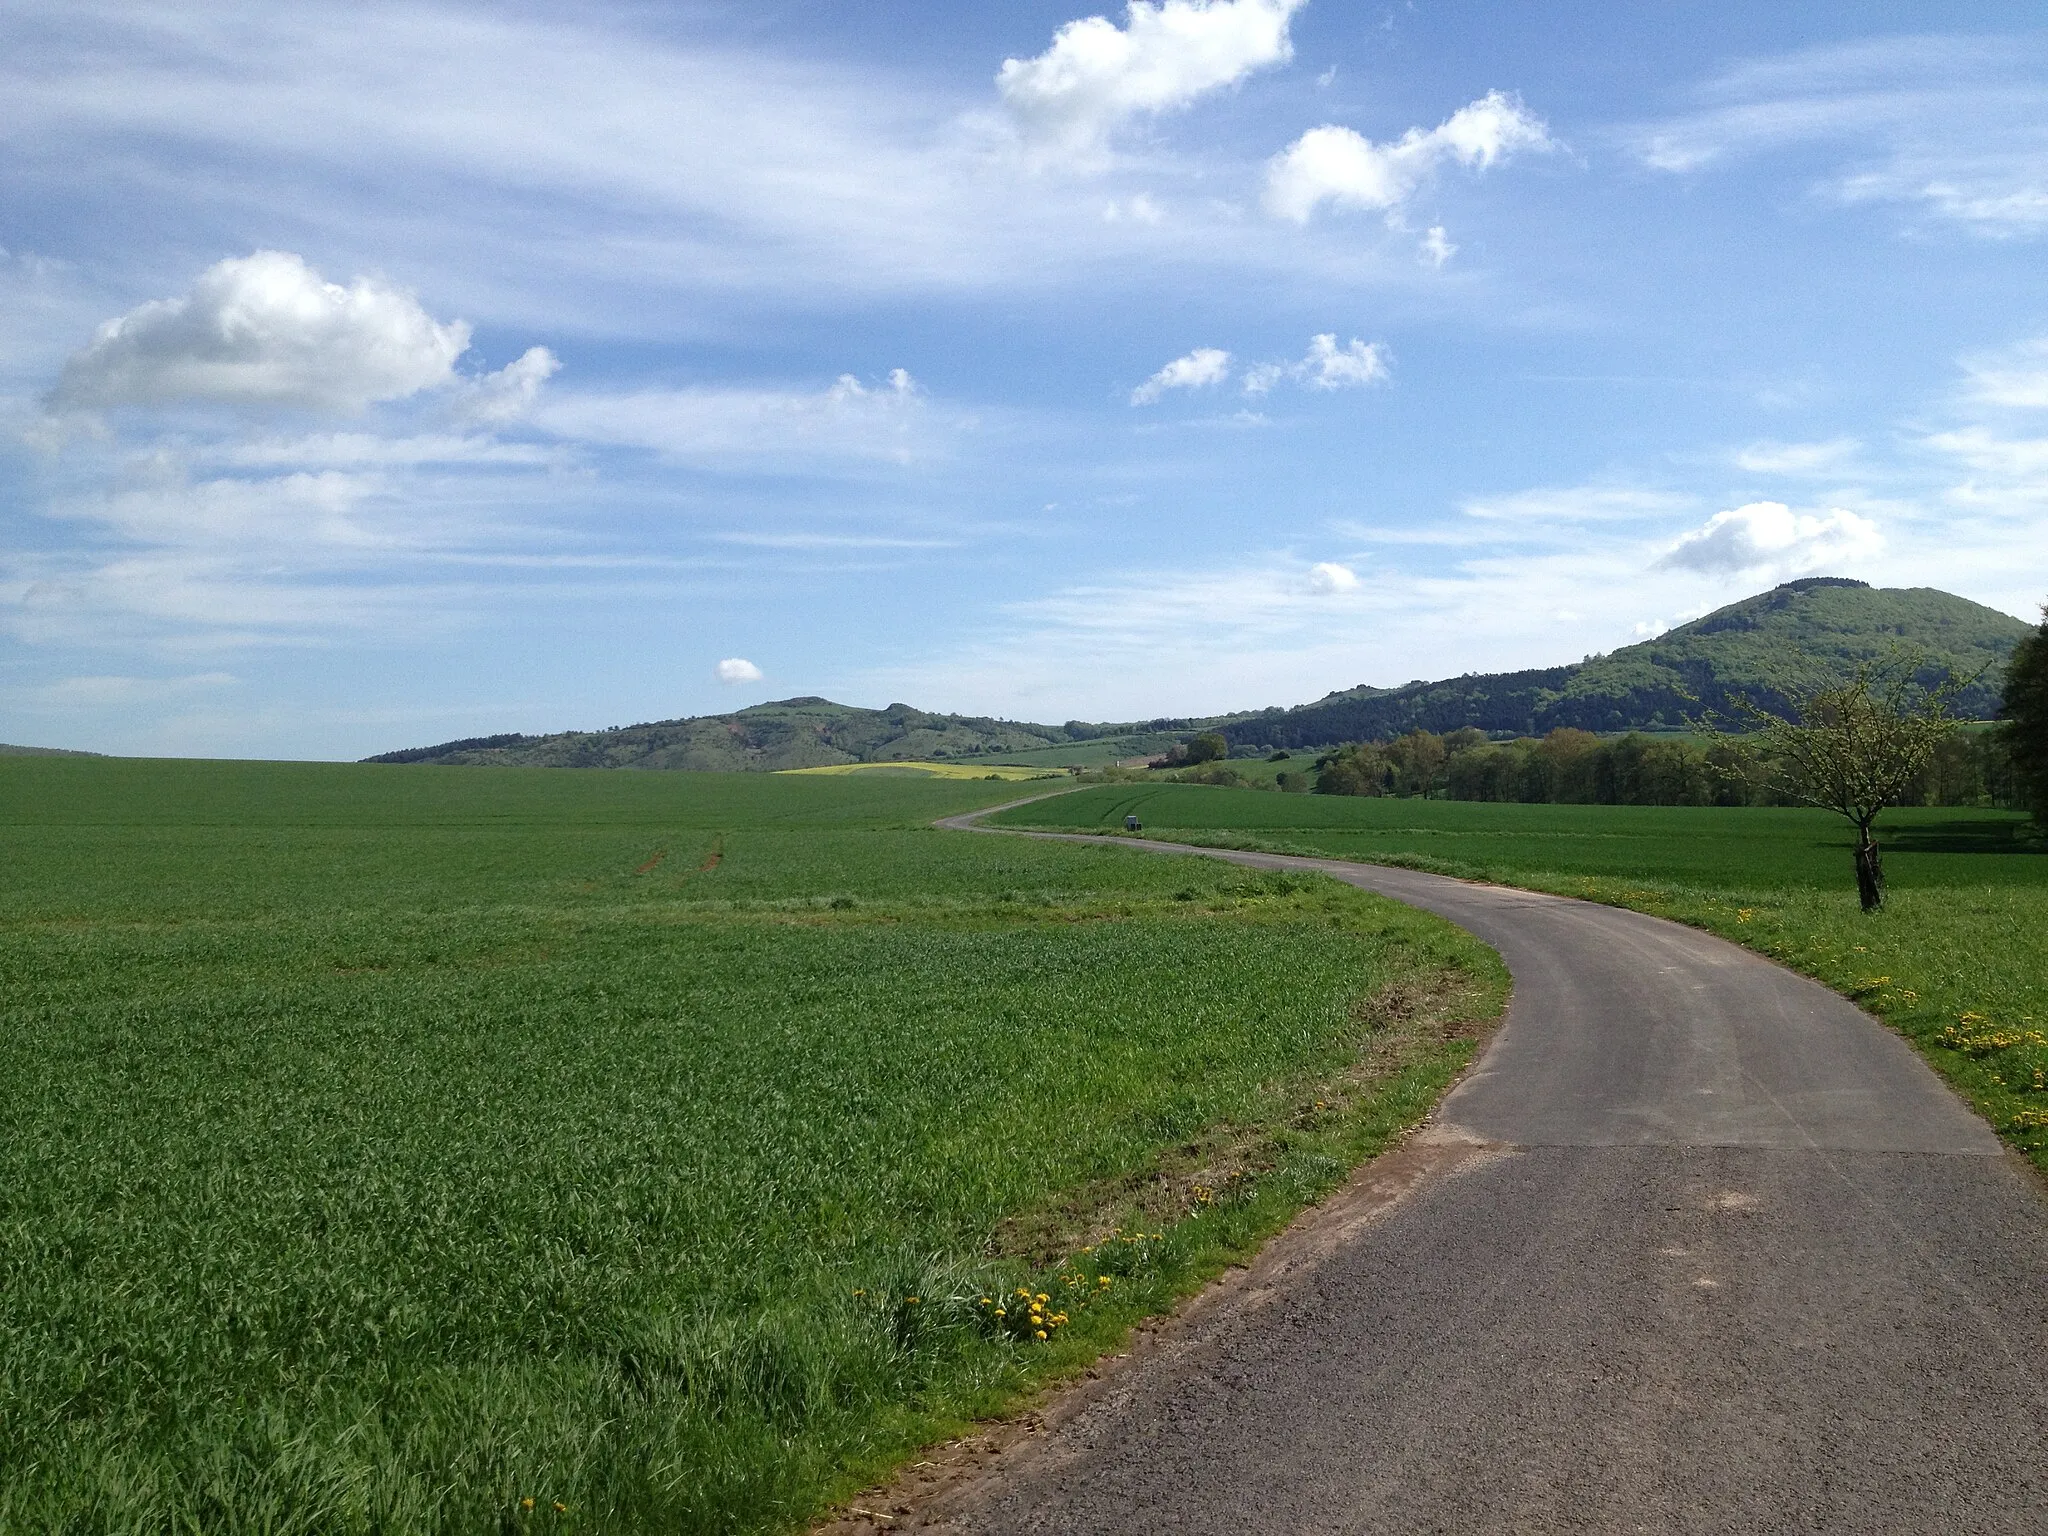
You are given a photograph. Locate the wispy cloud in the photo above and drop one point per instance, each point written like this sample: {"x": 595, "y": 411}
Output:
{"x": 1774, "y": 458}
{"x": 847, "y": 420}
{"x": 1571, "y": 505}
{"x": 1955, "y": 128}
{"x": 192, "y": 601}
{"x": 832, "y": 541}
{"x": 363, "y": 450}
{"x": 1987, "y": 452}
{"x": 2015, "y": 378}
{"x": 300, "y": 510}
{"x": 104, "y": 689}
{"x": 685, "y": 165}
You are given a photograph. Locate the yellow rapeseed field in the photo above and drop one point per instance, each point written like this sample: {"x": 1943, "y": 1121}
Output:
{"x": 940, "y": 770}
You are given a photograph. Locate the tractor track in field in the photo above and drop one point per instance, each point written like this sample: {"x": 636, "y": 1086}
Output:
{"x": 1697, "y": 1245}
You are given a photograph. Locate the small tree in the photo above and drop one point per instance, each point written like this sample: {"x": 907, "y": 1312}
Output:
{"x": 1418, "y": 760}
{"x": 1358, "y": 769}
{"x": 2025, "y": 732}
{"x": 1567, "y": 764}
{"x": 1855, "y": 749}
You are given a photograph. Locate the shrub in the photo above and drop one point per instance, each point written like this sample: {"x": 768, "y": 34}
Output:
{"x": 1359, "y": 769}
{"x": 2024, "y": 735}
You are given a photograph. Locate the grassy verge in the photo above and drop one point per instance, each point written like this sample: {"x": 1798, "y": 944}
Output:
{"x": 424, "y": 1149}
{"x": 1957, "y": 962}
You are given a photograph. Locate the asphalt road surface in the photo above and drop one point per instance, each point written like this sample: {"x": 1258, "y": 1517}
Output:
{"x": 1715, "y": 1252}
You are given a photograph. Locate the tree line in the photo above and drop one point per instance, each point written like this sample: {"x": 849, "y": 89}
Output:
{"x": 1878, "y": 714}
{"x": 1574, "y": 767}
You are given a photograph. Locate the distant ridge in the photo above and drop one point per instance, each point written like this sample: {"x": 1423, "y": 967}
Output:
{"x": 807, "y": 732}
{"x": 12, "y": 751}
{"x": 1767, "y": 648}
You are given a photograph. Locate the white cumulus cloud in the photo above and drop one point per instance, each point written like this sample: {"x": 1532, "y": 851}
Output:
{"x": 266, "y": 329}
{"x": 1329, "y": 366}
{"x": 510, "y": 393}
{"x": 1260, "y": 378}
{"x": 1770, "y": 534}
{"x": 901, "y": 386}
{"x": 1343, "y": 168}
{"x": 1328, "y": 576}
{"x": 1326, "y": 366}
{"x": 1202, "y": 367}
{"x": 737, "y": 669}
{"x": 1097, "y": 75}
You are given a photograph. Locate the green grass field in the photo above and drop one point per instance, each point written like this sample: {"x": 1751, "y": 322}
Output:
{"x": 390, "y": 1149}
{"x": 1957, "y": 961}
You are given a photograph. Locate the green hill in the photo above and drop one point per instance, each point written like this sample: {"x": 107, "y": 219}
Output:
{"x": 799, "y": 733}
{"x": 1767, "y": 648}
{"x": 9, "y": 750}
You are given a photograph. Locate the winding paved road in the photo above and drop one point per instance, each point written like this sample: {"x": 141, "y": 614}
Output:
{"x": 1710, "y": 1250}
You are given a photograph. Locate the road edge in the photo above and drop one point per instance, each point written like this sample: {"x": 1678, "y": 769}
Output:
{"x": 949, "y": 1476}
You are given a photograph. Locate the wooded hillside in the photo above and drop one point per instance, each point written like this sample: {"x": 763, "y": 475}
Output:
{"x": 1767, "y": 648}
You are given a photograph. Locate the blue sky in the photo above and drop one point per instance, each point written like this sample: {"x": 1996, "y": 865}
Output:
{"x": 373, "y": 375}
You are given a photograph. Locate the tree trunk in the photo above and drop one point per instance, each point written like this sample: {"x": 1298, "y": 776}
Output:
{"x": 1869, "y": 869}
